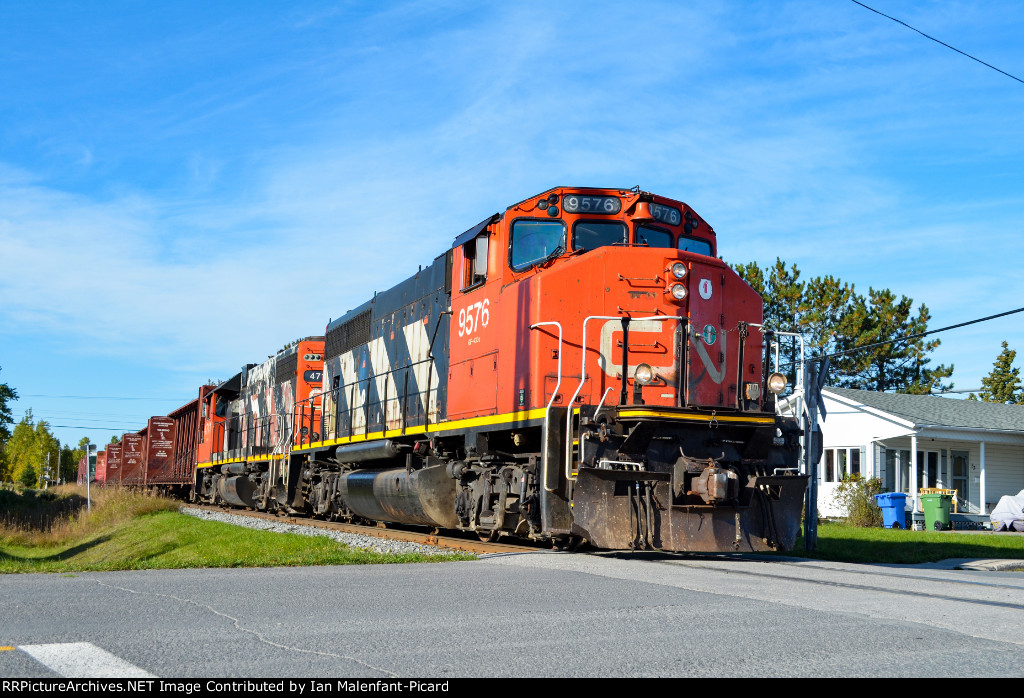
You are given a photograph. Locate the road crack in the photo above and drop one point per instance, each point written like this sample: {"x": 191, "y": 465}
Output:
{"x": 238, "y": 626}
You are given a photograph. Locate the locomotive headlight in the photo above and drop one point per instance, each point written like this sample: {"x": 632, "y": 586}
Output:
{"x": 678, "y": 291}
{"x": 679, "y": 270}
{"x": 644, "y": 374}
{"x": 776, "y": 383}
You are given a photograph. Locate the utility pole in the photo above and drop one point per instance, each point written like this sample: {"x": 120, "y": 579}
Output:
{"x": 814, "y": 408}
{"x": 90, "y": 452}
{"x": 811, "y": 439}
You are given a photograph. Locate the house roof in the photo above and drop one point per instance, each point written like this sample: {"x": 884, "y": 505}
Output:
{"x": 939, "y": 411}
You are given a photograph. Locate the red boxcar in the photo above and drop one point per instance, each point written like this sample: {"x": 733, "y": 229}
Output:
{"x": 133, "y": 463}
{"x": 101, "y": 467}
{"x": 114, "y": 464}
{"x": 172, "y": 467}
{"x": 160, "y": 450}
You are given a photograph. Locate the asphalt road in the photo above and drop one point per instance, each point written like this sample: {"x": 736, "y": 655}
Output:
{"x": 524, "y": 615}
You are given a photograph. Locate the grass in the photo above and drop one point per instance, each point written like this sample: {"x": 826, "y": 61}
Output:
{"x": 51, "y": 531}
{"x": 844, "y": 543}
{"x": 131, "y": 531}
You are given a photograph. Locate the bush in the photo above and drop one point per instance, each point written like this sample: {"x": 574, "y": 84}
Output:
{"x": 856, "y": 496}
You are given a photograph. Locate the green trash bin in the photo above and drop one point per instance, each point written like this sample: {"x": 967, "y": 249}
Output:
{"x": 936, "y": 511}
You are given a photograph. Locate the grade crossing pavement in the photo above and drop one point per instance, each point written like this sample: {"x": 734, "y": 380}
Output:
{"x": 82, "y": 660}
{"x": 529, "y": 614}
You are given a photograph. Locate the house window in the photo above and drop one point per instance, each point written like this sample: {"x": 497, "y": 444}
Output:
{"x": 904, "y": 471}
{"x": 841, "y": 463}
{"x": 927, "y": 468}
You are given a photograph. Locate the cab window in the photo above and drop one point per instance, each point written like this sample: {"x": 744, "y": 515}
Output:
{"x": 474, "y": 262}
{"x": 695, "y": 245}
{"x": 653, "y": 237}
{"x": 589, "y": 235}
{"x": 534, "y": 242}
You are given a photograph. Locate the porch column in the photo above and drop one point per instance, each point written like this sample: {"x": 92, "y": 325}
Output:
{"x": 913, "y": 469}
{"x": 981, "y": 478}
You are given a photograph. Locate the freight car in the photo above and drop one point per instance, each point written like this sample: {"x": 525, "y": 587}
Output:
{"x": 578, "y": 367}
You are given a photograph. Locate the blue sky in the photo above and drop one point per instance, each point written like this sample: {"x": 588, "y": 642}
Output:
{"x": 186, "y": 187}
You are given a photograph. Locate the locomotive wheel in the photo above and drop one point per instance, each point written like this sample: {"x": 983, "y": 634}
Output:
{"x": 567, "y": 544}
{"x": 490, "y": 536}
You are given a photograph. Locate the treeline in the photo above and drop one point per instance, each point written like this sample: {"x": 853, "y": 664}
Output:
{"x": 33, "y": 454}
{"x": 832, "y": 318}
{"x": 29, "y": 449}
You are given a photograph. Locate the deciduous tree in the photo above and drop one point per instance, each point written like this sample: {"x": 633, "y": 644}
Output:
{"x": 30, "y": 449}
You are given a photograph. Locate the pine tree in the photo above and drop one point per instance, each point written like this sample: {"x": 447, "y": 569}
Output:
{"x": 833, "y": 319}
{"x": 894, "y": 365}
{"x": 783, "y": 293}
{"x": 7, "y": 395}
{"x": 1002, "y": 384}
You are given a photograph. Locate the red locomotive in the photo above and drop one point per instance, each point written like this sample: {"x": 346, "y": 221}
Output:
{"x": 579, "y": 367}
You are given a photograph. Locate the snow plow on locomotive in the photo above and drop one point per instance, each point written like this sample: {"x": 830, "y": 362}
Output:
{"x": 580, "y": 367}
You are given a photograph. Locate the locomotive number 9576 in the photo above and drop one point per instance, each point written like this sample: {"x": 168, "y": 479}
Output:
{"x": 473, "y": 317}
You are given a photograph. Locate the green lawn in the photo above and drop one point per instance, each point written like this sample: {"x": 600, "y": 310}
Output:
{"x": 843, "y": 543}
{"x": 127, "y": 531}
{"x": 51, "y": 532}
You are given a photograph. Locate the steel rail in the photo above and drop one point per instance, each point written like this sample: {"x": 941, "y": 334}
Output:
{"x": 440, "y": 541}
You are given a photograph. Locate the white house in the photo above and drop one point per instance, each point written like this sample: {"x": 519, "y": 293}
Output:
{"x": 916, "y": 441}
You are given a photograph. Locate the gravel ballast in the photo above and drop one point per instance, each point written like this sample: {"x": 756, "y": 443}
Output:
{"x": 353, "y": 540}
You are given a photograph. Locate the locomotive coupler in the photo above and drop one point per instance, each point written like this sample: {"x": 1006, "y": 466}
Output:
{"x": 715, "y": 484}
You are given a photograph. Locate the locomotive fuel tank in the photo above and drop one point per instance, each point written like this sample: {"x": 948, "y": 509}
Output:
{"x": 425, "y": 497}
{"x": 237, "y": 490}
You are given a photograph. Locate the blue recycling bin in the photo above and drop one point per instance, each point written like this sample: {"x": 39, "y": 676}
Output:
{"x": 893, "y": 506}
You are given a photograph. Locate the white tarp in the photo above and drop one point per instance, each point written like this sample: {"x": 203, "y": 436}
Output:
{"x": 1009, "y": 513}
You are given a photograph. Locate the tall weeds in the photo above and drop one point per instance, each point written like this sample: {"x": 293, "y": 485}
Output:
{"x": 55, "y": 516}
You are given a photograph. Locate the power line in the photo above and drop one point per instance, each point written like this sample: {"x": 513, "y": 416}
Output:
{"x": 899, "y": 340}
{"x": 104, "y": 397}
{"x": 938, "y": 41}
{"x": 910, "y": 337}
{"x": 125, "y": 430}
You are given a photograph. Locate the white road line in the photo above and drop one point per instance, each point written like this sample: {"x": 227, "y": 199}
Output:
{"x": 83, "y": 660}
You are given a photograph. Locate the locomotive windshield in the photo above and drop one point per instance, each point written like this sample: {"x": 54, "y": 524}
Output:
{"x": 695, "y": 245}
{"x": 535, "y": 241}
{"x": 653, "y": 237}
{"x": 589, "y": 235}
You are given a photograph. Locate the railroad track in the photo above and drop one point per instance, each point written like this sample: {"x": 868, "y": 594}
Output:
{"x": 441, "y": 541}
